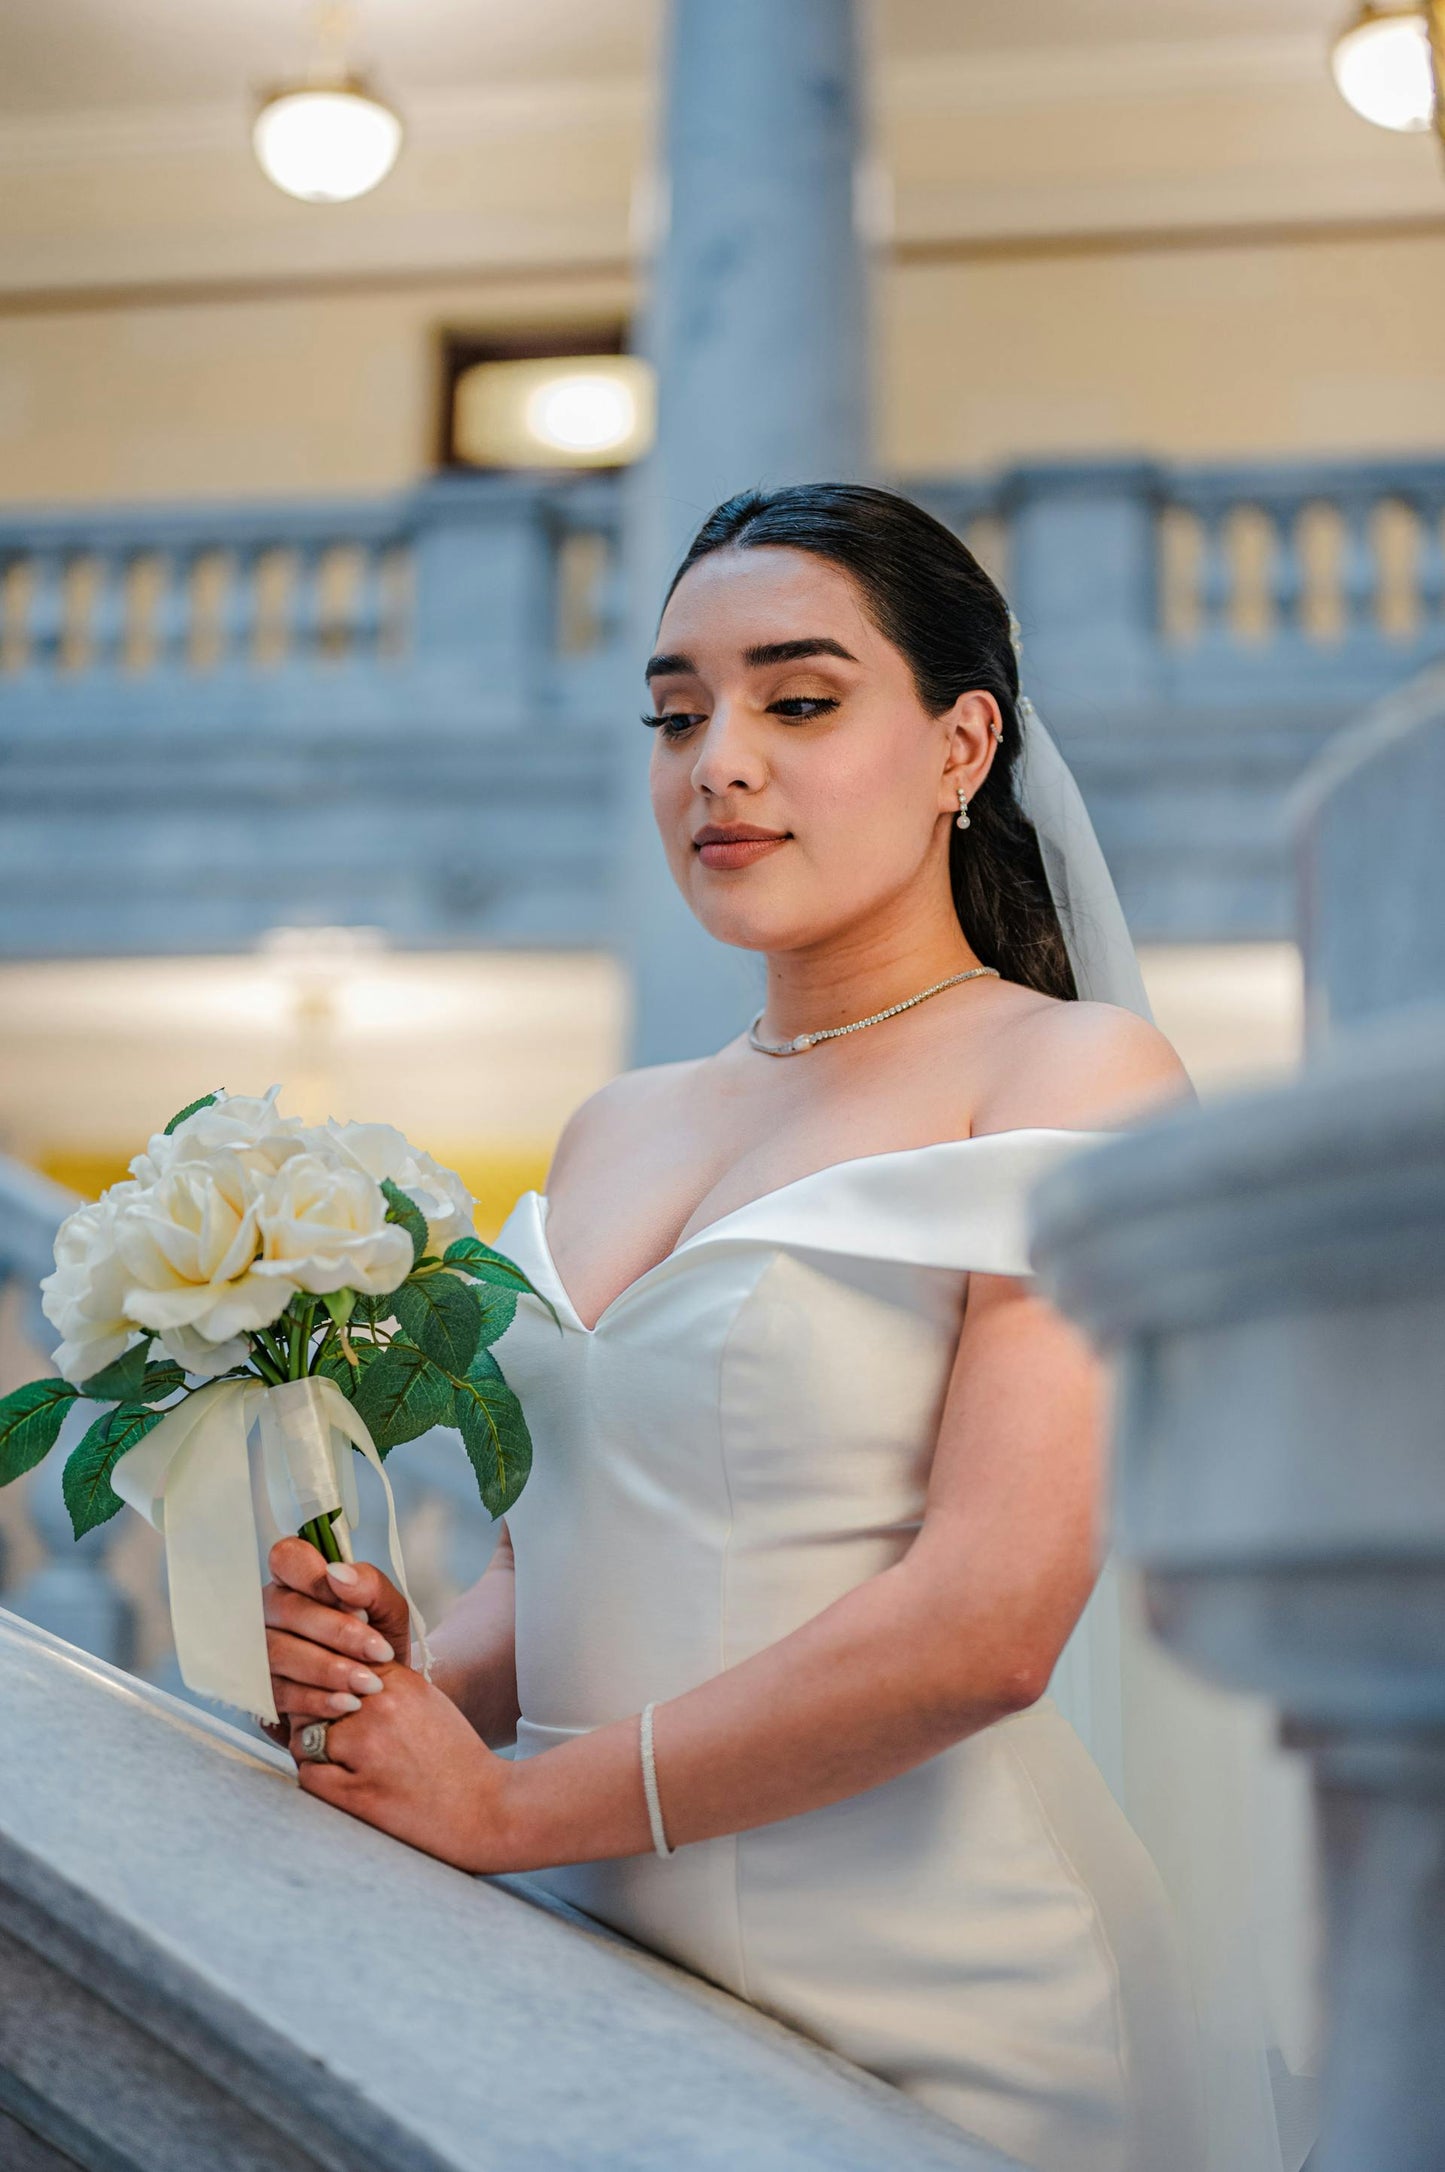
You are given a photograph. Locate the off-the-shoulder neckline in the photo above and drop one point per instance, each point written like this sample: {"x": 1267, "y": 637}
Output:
{"x": 775, "y": 1192}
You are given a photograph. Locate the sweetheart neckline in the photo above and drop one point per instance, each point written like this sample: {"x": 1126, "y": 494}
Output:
{"x": 777, "y": 1191}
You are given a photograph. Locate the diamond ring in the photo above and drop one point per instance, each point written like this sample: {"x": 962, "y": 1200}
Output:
{"x": 311, "y": 1743}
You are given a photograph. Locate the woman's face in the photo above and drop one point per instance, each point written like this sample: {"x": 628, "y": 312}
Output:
{"x": 787, "y": 711}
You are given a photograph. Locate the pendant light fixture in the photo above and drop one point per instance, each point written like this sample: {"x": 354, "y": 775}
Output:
{"x": 326, "y": 137}
{"x": 1389, "y": 65}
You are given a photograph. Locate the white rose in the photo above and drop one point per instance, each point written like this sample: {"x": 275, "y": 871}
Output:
{"x": 244, "y": 1124}
{"x": 382, "y": 1151}
{"x": 189, "y": 1243}
{"x": 323, "y": 1228}
{"x": 86, "y": 1295}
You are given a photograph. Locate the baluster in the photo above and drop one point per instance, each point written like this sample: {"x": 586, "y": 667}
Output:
{"x": 240, "y": 608}
{"x": 1430, "y": 562}
{"x": 46, "y": 614}
{"x": 1215, "y": 580}
{"x": 304, "y": 617}
{"x": 109, "y": 611}
{"x": 172, "y": 620}
{"x": 364, "y": 624}
{"x": 1286, "y": 573}
{"x": 1359, "y": 571}
{"x": 74, "y": 1594}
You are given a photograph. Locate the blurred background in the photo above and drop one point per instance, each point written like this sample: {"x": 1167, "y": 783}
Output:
{"x": 364, "y": 369}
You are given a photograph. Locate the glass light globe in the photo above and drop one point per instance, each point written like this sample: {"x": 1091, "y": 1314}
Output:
{"x": 581, "y": 413}
{"x": 326, "y": 146}
{"x": 1382, "y": 68}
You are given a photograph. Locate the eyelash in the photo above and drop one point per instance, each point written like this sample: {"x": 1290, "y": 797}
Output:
{"x": 683, "y": 719}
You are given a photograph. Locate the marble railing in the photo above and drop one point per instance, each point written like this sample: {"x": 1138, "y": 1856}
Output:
{"x": 201, "y": 1965}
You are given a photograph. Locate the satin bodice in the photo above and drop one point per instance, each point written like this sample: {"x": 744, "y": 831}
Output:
{"x": 744, "y": 1436}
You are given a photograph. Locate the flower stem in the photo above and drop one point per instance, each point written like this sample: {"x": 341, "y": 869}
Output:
{"x": 321, "y": 1535}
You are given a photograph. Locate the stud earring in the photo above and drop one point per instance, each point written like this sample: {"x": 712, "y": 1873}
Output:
{"x": 961, "y": 820}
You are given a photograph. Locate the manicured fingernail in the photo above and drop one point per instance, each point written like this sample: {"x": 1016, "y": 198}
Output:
{"x": 345, "y": 1703}
{"x": 376, "y": 1647}
{"x": 341, "y": 1572}
{"x": 363, "y": 1679}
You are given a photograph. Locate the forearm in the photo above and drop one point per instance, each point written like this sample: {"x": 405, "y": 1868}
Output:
{"x": 474, "y": 1652}
{"x": 872, "y": 1686}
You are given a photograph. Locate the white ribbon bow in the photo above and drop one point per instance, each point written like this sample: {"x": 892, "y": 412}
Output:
{"x": 191, "y": 1479}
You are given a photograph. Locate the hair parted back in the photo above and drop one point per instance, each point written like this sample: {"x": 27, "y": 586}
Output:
{"x": 927, "y": 594}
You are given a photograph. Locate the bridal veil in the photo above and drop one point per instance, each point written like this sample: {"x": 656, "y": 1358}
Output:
{"x": 1223, "y": 1811}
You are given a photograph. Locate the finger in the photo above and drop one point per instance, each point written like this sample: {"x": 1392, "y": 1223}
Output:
{"x": 297, "y": 1659}
{"x": 295, "y": 1561}
{"x": 333, "y": 1783}
{"x": 324, "y": 1625}
{"x": 363, "y": 1584}
{"x": 345, "y": 1744}
{"x": 295, "y": 1700}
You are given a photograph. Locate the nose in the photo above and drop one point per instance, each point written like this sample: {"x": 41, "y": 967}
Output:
{"x": 729, "y": 758}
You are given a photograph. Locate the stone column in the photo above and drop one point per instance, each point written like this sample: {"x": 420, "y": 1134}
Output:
{"x": 757, "y": 326}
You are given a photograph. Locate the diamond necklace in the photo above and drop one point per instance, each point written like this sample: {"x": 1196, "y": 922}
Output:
{"x": 801, "y": 1041}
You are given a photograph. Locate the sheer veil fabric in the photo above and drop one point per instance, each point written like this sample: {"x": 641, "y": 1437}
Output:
{"x": 1223, "y": 1811}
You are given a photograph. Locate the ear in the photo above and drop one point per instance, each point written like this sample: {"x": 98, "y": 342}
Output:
{"x": 972, "y": 728}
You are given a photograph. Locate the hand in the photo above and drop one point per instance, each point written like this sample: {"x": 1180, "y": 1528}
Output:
{"x": 409, "y": 1763}
{"x": 325, "y": 1636}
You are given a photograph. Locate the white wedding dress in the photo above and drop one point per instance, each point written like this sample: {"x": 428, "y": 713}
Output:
{"x": 744, "y": 1436}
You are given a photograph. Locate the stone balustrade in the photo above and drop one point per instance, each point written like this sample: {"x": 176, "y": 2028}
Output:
{"x": 412, "y": 713}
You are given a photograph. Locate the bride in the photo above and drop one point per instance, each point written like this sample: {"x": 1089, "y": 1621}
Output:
{"x": 818, "y": 1486}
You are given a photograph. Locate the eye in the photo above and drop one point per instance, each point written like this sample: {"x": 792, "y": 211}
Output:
{"x": 672, "y": 723}
{"x": 800, "y": 707}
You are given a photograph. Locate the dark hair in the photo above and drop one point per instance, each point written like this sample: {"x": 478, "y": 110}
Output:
{"x": 927, "y": 594}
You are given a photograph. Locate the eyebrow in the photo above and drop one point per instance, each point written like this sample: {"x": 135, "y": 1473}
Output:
{"x": 765, "y": 652}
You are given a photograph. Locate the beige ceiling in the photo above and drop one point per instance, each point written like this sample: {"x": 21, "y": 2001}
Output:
{"x": 94, "y": 55}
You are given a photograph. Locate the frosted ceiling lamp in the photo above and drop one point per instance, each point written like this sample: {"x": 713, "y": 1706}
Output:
{"x": 582, "y": 413}
{"x": 1384, "y": 66}
{"x": 326, "y": 143}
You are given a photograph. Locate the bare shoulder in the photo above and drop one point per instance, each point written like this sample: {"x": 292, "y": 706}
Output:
{"x": 620, "y": 1116}
{"x": 1079, "y": 1065}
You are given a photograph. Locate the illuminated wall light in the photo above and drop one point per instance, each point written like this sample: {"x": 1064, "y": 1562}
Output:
{"x": 1384, "y": 68}
{"x": 554, "y": 411}
{"x": 582, "y": 414}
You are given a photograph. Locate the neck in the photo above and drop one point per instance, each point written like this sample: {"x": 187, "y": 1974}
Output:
{"x": 860, "y": 971}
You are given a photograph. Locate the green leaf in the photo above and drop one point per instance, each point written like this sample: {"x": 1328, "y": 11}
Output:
{"x": 335, "y": 1364}
{"x": 498, "y": 1309}
{"x": 160, "y": 1381}
{"x": 119, "y": 1382}
{"x": 400, "y": 1207}
{"x": 30, "y": 1421}
{"x": 89, "y": 1495}
{"x": 190, "y": 1110}
{"x": 442, "y": 1316}
{"x": 490, "y": 1420}
{"x": 401, "y": 1395}
{"x": 474, "y": 1258}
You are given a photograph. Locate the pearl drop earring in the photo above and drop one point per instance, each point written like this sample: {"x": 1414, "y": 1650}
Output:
{"x": 961, "y": 820}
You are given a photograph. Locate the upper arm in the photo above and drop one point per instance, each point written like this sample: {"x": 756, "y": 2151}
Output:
{"x": 1013, "y": 1524}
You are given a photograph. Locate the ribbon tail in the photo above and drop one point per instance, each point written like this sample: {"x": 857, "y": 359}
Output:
{"x": 195, "y": 1486}
{"x": 349, "y": 1423}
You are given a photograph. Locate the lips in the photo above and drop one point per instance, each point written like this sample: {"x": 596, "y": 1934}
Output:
{"x": 735, "y": 844}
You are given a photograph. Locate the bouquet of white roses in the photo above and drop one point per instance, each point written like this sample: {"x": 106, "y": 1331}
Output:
{"x": 322, "y": 1284}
